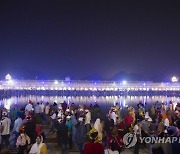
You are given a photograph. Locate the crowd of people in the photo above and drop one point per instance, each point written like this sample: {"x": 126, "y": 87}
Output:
{"x": 85, "y": 128}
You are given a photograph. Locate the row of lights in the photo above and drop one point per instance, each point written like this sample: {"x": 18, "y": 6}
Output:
{"x": 93, "y": 89}
{"x": 173, "y": 79}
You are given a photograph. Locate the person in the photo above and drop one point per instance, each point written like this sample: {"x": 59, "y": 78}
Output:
{"x": 173, "y": 131}
{"x": 23, "y": 141}
{"x": 80, "y": 135}
{"x": 145, "y": 125}
{"x": 74, "y": 123}
{"x": 98, "y": 127}
{"x": 87, "y": 120}
{"x": 5, "y": 129}
{"x": 18, "y": 122}
{"x": 53, "y": 122}
{"x": 114, "y": 116}
{"x": 37, "y": 109}
{"x": 30, "y": 128}
{"x": 29, "y": 107}
{"x": 14, "y": 113}
{"x": 128, "y": 119}
{"x": 47, "y": 111}
{"x": 137, "y": 132}
{"x": 42, "y": 106}
{"x": 39, "y": 147}
{"x": 118, "y": 110}
{"x": 165, "y": 121}
{"x": 64, "y": 106}
{"x": 109, "y": 124}
{"x": 69, "y": 125}
{"x": 114, "y": 141}
{"x": 93, "y": 147}
{"x": 62, "y": 132}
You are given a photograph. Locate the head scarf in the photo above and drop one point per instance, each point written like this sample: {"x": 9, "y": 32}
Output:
{"x": 36, "y": 148}
{"x": 93, "y": 135}
{"x": 97, "y": 124}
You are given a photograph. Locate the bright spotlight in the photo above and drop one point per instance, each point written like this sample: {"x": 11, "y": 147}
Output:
{"x": 124, "y": 82}
{"x": 174, "y": 79}
{"x": 55, "y": 82}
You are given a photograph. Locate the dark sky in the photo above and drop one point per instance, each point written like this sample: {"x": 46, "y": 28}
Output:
{"x": 53, "y": 39}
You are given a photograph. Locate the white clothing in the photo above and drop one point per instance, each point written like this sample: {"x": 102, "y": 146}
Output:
{"x": 98, "y": 127}
{"x": 18, "y": 122}
{"x": 42, "y": 108}
{"x": 5, "y": 124}
{"x": 29, "y": 107}
{"x": 47, "y": 109}
{"x": 36, "y": 149}
{"x": 53, "y": 116}
{"x": 88, "y": 118}
{"x": 166, "y": 122}
{"x": 114, "y": 116}
{"x": 109, "y": 151}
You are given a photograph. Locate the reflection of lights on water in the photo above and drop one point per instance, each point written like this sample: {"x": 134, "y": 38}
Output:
{"x": 115, "y": 89}
{"x": 42, "y": 88}
{"x": 7, "y": 104}
{"x": 95, "y": 89}
{"x": 42, "y": 98}
{"x": 52, "y": 88}
{"x": 120, "y": 103}
{"x": 60, "y": 88}
{"x": 124, "y": 103}
{"x": 107, "y": 89}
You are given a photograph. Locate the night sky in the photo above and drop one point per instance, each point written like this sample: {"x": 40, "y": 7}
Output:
{"x": 89, "y": 39}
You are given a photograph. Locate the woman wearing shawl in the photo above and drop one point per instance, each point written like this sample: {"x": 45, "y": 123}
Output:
{"x": 39, "y": 147}
{"x": 98, "y": 127}
{"x": 93, "y": 147}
